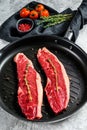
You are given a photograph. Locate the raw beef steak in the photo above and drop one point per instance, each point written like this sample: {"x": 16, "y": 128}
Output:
{"x": 57, "y": 87}
{"x": 30, "y": 92}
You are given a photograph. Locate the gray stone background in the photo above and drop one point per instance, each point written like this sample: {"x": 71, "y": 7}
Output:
{"x": 77, "y": 121}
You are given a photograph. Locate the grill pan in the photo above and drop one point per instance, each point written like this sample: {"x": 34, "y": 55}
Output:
{"x": 73, "y": 58}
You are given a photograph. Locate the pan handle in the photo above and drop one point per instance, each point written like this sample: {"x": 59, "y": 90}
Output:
{"x": 69, "y": 34}
{"x": 77, "y": 22}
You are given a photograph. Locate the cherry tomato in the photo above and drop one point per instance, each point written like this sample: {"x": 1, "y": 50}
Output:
{"x": 39, "y": 7}
{"x": 44, "y": 13}
{"x": 34, "y": 14}
{"x": 24, "y": 12}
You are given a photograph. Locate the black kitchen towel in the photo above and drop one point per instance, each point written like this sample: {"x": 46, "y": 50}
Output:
{"x": 79, "y": 19}
{"x": 9, "y": 33}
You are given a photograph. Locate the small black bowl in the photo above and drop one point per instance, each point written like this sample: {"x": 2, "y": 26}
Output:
{"x": 24, "y": 21}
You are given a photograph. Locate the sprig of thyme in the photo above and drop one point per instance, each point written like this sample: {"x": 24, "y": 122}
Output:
{"x": 54, "y": 19}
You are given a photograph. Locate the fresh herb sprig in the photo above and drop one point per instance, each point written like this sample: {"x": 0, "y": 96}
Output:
{"x": 54, "y": 19}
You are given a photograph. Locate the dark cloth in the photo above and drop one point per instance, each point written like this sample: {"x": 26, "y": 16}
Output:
{"x": 79, "y": 19}
{"x": 9, "y": 32}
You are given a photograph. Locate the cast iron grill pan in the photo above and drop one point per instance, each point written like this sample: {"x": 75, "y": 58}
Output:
{"x": 67, "y": 53}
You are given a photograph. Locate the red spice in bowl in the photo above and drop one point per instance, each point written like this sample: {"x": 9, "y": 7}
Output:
{"x": 24, "y": 25}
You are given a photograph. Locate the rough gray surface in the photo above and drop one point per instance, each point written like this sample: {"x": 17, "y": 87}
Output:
{"x": 77, "y": 121}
